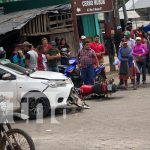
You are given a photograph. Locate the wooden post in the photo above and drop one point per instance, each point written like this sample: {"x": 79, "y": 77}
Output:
{"x": 109, "y": 43}
{"x": 75, "y": 26}
{"x": 125, "y": 12}
{"x": 45, "y": 23}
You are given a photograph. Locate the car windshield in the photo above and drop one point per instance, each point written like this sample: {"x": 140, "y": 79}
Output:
{"x": 18, "y": 69}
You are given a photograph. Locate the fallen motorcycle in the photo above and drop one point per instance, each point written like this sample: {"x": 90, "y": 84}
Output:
{"x": 103, "y": 89}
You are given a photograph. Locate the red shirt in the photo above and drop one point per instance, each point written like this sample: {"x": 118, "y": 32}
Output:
{"x": 98, "y": 47}
{"x": 40, "y": 62}
{"x": 46, "y": 48}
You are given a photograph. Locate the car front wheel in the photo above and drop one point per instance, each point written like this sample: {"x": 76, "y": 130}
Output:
{"x": 35, "y": 104}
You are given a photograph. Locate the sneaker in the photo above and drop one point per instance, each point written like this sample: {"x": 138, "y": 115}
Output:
{"x": 144, "y": 82}
{"x": 85, "y": 106}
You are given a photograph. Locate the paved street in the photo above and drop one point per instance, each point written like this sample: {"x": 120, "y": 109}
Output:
{"x": 121, "y": 122}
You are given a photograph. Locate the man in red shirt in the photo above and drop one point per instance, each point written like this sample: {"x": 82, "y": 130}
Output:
{"x": 98, "y": 48}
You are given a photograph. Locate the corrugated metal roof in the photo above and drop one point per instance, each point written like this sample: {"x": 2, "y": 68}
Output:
{"x": 17, "y": 20}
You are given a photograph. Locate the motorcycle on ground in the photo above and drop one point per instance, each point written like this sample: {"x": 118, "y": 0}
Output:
{"x": 12, "y": 139}
{"x": 102, "y": 87}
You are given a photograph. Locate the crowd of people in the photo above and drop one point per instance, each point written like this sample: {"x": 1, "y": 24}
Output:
{"x": 132, "y": 47}
{"x": 45, "y": 56}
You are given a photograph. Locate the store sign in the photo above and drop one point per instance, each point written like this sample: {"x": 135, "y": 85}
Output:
{"x": 82, "y": 7}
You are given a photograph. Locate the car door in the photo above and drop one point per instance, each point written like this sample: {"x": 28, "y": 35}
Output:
{"x": 8, "y": 87}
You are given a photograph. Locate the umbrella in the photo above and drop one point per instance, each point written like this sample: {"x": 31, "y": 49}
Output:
{"x": 146, "y": 28}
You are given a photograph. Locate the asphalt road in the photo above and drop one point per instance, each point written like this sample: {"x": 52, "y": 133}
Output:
{"x": 121, "y": 122}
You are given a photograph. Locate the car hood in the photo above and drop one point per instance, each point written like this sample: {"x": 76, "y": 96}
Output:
{"x": 49, "y": 75}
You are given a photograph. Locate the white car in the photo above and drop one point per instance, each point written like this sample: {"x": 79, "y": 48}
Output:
{"x": 50, "y": 89}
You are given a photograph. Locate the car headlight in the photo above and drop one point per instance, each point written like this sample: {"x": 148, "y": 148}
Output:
{"x": 68, "y": 81}
{"x": 57, "y": 83}
{"x": 51, "y": 84}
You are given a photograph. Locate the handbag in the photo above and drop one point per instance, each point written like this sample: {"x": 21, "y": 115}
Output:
{"x": 140, "y": 59}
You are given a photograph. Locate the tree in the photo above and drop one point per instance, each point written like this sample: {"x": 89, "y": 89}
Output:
{"x": 122, "y": 3}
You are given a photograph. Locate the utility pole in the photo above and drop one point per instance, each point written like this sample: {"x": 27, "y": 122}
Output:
{"x": 108, "y": 39}
{"x": 116, "y": 15}
{"x": 75, "y": 26}
{"x": 125, "y": 12}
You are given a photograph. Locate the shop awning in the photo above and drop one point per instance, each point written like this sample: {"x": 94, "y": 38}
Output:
{"x": 131, "y": 14}
{"x": 136, "y": 4}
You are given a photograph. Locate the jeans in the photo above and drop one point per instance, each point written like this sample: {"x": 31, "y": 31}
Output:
{"x": 141, "y": 65}
{"x": 88, "y": 75}
{"x": 54, "y": 69}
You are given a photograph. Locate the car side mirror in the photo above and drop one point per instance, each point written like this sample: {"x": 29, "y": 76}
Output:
{"x": 8, "y": 76}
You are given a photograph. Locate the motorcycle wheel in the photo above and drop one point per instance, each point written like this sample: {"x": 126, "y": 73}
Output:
{"x": 19, "y": 139}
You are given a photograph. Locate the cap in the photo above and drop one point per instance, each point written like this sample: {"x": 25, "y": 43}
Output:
{"x": 83, "y": 37}
{"x": 53, "y": 43}
{"x": 26, "y": 43}
{"x": 119, "y": 27}
{"x": 127, "y": 33}
{"x": 129, "y": 23}
{"x": 138, "y": 38}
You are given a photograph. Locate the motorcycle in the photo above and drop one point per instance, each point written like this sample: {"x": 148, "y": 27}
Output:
{"x": 72, "y": 71}
{"x": 101, "y": 89}
{"x": 12, "y": 139}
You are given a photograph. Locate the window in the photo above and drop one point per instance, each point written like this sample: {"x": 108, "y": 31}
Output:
{"x": 2, "y": 72}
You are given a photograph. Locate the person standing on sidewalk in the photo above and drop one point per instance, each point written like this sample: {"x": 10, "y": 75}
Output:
{"x": 85, "y": 57}
{"x": 31, "y": 56}
{"x": 40, "y": 58}
{"x": 46, "y": 45}
{"x": 65, "y": 51}
{"x": 98, "y": 48}
{"x": 124, "y": 55}
{"x": 83, "y": 39}
{"x": 131, "y": 43}
{"x": 139, "y": 52}
{"x": 117, "y": 38}
{"x": 53, "y": 55}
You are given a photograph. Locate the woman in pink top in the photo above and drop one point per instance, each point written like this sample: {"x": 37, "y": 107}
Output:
{"x": 139, "y": 52}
